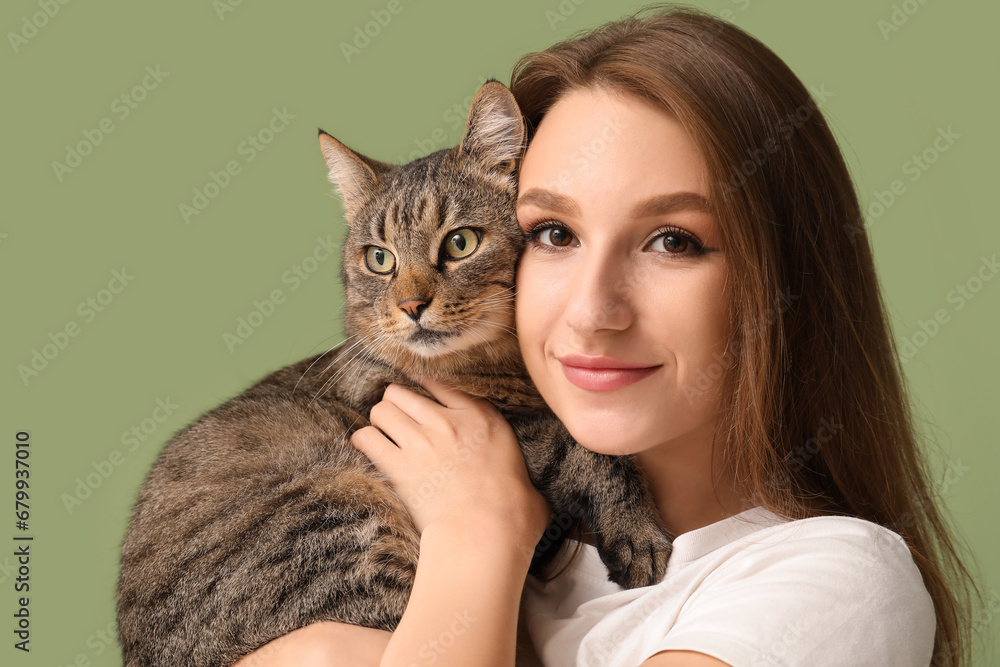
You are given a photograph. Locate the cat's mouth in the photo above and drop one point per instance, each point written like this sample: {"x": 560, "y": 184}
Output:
{"x": 430, "y": 343}
{"x": 430, "y": 337}
{"x": 436, "y": 343}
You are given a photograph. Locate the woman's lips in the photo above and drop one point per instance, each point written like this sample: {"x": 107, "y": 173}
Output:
{"x": 603, "y": 373}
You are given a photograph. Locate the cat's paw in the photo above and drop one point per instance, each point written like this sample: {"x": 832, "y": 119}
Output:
{"x": 635, "y": 556}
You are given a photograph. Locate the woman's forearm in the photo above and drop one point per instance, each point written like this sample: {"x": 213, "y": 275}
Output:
{"x": 463, "y": 607}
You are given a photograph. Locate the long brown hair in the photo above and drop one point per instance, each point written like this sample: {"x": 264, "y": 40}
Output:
{"x": 814, "y": 393}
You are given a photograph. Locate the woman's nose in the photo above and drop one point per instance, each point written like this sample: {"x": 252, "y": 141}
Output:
{"x": 600, "y": 296}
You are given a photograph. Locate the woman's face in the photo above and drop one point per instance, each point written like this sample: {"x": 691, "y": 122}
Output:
{"x": 620, "y": 310}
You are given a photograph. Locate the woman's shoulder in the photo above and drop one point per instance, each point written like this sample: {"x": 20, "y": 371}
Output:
{"x": 756, "y": 589}
{"x": 832, "y": 539}
{"x": 758, "y": 562}
{"x": 843, "y": 543}
{"x": 847, "y": 570}
{"x": 832, "y": 585}
{"x": 845, "y": 557}
{"x": 862, "y": 551}
{"x": 846, "y": 529}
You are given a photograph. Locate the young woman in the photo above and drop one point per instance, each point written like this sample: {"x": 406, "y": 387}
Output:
{"x": 698, "y": 291}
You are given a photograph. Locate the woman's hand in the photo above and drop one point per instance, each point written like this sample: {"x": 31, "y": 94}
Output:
{"x": 454, "y": 462}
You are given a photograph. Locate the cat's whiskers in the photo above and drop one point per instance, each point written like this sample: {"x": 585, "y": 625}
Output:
{"x": 460, "y": 355}
{"x": 347, "y": 364}
{"x": 486, "y": 343}
{"x": 358, "y": 367}
{"x": 498, "y": 311}
{"x": 504, "y": 303}
{"x": 382, "y": 352}
{"x": 398, "y": 351}
{"x": 335, "y": 346}
{"x": 483, "y": 313}
{"x": 342, "y": 369}
{"x": 496, "y": 306}
{"x": 501, "y": 290}
{"x": 360, "y": 341}
{"x": 362, "y": 337}
{"x": 334, "y": 361}
{"x": 500, "y": 297}
{"x": 306, "y": 371}
{"x": 504, "y": 327}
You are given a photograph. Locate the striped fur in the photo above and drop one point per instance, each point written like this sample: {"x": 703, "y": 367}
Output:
{"x": 260, "y": 517}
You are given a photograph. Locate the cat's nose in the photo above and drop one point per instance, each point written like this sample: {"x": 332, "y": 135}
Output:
{"x": 414, "y": 307}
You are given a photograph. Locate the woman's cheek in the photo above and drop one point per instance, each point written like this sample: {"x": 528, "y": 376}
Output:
{"x": 526, "y": 307}
{"x": 535, "y": 314}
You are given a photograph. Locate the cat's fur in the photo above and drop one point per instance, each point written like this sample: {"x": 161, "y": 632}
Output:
{"x": 260, "y": 517}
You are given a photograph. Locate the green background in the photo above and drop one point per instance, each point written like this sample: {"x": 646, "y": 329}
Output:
{"x": 162, "y": 336}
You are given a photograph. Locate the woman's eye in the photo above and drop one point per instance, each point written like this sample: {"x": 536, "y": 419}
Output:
{"x": 675, "y": 243}
{"x": 461, "y": 243}
{"x": 379, "y": 260}
{"x": 555, "y": 236}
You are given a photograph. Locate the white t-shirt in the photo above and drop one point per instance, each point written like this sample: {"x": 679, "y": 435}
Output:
{"x": 751, "y": 590}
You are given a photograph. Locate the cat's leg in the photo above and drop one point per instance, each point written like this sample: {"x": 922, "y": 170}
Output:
{"x": 609, "y": 495}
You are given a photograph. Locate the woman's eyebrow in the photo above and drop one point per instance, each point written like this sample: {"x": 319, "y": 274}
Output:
{"x": 669, "y": 203}
{"x": 656, "y": 205}
{"x": 547, "y": 199}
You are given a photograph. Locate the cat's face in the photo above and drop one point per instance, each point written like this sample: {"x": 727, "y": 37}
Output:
{"x": 430, "y": 255}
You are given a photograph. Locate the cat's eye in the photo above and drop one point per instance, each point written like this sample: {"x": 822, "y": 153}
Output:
{"x": 379, "y": 260}
{"x": 461, "y": 243}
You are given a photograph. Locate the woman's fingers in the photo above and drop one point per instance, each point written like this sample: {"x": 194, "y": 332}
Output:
{"x": 445, "y": 394}
{"x": 379, "y": 449}
{"x": 424, "y": 410}
{"x": 417, "y": 406}
{"x": 456, "y": 455}
{"x": 395, "y": 422}
{"x": 391, "y": 426}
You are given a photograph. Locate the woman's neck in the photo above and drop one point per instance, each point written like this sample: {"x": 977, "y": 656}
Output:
{"x": 689, "y": 484}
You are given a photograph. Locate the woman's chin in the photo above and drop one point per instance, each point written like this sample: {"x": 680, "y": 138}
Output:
{"x": 607, "y": 439}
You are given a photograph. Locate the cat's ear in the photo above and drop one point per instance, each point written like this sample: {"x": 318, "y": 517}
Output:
{"x": 494, "y": 131}
{"x": 353, "y": 174}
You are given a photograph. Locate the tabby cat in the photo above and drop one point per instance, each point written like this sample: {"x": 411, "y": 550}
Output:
{"x": 260, "y": 517}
